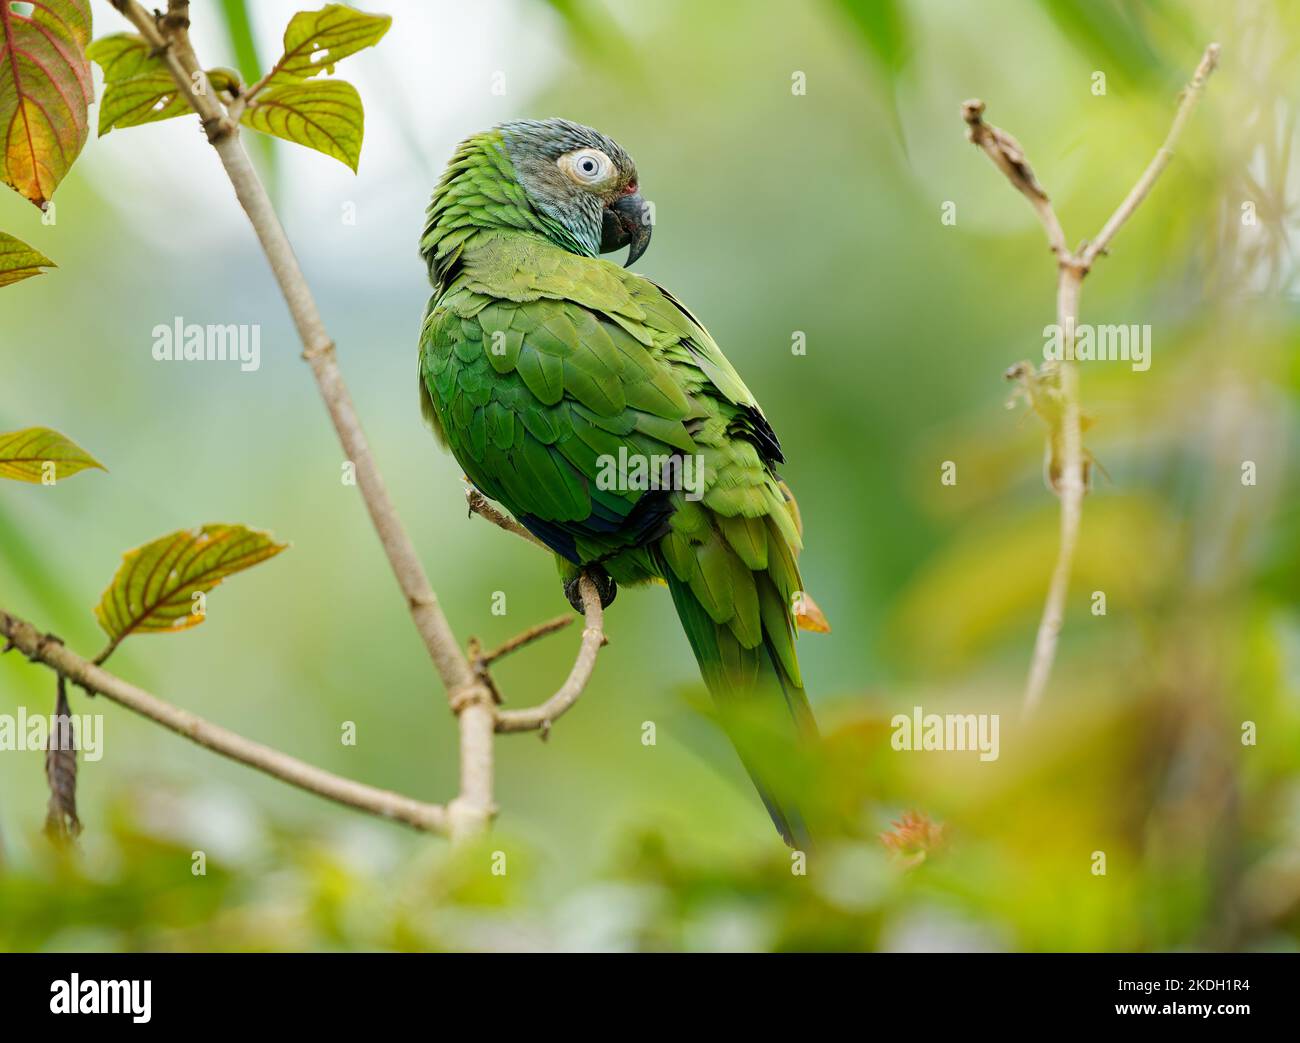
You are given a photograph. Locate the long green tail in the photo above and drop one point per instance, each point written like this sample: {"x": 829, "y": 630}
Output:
{"x": 757, "y": 689}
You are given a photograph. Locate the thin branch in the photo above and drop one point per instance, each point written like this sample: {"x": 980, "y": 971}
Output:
{"x": 1190, "y": 97}
{"x": 593, "y": 637}
{"x": 1071, "y": 489}
{"x": 1007, "y": 155}
{"x": 484, "y": 508}
{"x": 470, "y": 692}
{"x": 517, "y": 642}
{"x": 172, "y": 39}
{"x": 41, "y": 648}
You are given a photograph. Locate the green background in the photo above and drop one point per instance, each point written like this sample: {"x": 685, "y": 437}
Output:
{"x": 775, "y": 213}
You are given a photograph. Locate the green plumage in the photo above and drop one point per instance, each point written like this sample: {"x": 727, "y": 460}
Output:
{"x": 540, "y": 364}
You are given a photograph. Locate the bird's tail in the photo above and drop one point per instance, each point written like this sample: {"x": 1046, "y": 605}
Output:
{"x": 735, "y": 584}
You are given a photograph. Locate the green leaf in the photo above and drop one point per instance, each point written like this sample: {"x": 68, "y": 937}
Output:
{"x": 138, "y": 86}
{"x": 315, "y": 40}
{"x": 886, "y": 35}
{"x": 882, "y": 29}
{"x": 19, "y": 261}
{"x": 26, "y": 454}
{"x": 153, "y": 589}
{"x": 326, "y": 116}
{"x": 45, "y": 87}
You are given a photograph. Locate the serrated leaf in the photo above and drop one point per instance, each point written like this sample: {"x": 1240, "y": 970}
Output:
{"x": 325, "y": 115}
{"x": 315, "y": 40}
{"x": 25, "y": 454}
{"x": 138, "y": 86}
{"x": 153, "y": 589}
{"x": 45, "y": 87}
{"x": 19, "y": 261}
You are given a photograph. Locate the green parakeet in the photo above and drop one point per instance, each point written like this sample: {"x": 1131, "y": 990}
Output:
{"x": 598, "y": 410}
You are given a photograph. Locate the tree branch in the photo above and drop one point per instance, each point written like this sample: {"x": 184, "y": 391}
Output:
{"x": 593, "y": 637}
{"x": 484, "y": 508}
{"x": 1007, "y": 155}
{"x": 534, "y": 633}
{"x": 41, "y": 648}
{"x": 1190, "y": 97}
{"x": 172, "y": 37}
{"x": 470, "y": 691}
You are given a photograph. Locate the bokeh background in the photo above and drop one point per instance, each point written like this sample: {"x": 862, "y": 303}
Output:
{"x": 777, "y": 212}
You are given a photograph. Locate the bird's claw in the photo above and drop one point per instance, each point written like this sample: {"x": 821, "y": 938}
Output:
{"x": 605, "y": 587}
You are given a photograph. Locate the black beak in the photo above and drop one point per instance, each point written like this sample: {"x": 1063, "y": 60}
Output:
{"x": 626, "y": 222}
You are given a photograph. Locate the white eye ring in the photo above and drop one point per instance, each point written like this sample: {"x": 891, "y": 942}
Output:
{"x": 587, "y": 166}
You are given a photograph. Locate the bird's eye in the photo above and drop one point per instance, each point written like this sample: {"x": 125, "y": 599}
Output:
{"x": 587, "y": 166}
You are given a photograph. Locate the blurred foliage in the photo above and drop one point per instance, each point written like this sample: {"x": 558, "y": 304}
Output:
{"x": 776, "y": 214}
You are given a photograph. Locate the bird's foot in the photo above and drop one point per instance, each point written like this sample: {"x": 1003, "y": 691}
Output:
{"x": 605, "y": 586}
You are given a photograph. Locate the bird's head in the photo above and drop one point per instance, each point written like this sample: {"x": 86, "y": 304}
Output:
{"x": 581, "y": 179}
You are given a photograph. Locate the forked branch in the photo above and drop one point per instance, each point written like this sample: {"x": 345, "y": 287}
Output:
{"x": 1072, "y": 267}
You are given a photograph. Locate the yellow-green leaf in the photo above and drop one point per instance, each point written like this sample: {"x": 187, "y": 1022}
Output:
{"x": 315, "y": 40}
{"x": 45, "y": 87}
{"x": 42, "y": 456}
{"x": 19, "y": 261}
{"x": 155, "y": 586}
{"x": 138, "y": 86}
{"x": 325, "y": 115}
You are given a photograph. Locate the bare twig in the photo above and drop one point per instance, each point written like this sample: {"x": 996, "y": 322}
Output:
{"x": 41, "y": 648}
{"x": 517, "y": 642}
{"x": 593, "y": 637}
{"x": 1187, "y": 105}
{"x": 1007, "y": 155}
{"x": 484, "y": 508}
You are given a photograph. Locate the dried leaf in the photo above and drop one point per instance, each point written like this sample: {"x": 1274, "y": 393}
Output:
{"x": 61, "y": 822}
{"x": 1042, "y": 389}
{"x": 808, "y": 616}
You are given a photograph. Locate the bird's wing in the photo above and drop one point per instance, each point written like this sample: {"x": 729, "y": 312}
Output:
{"x": 535, "y": 381}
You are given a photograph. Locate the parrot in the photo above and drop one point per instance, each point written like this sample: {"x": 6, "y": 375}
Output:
{"x": 591, "y": 404}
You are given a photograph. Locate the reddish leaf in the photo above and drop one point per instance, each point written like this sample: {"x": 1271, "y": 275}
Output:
{"x": 45, "y": 87}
